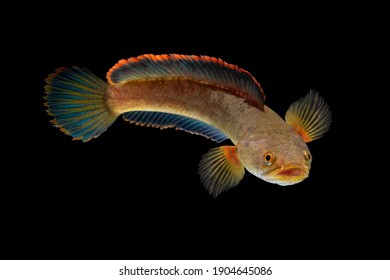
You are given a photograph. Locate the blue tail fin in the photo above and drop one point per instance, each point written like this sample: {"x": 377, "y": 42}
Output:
{"x": 76, "y": 99}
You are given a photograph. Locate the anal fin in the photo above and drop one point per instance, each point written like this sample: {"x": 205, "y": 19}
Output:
{"x": 166, "y": 120}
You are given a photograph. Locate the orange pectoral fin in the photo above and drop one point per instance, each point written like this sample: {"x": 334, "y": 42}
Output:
{"x": 301, "y": 132}
{"x": 220, "y": 169}
{"x": 309, "y": 117}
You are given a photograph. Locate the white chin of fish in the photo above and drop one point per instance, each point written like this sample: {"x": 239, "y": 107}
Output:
{"x": 281, "y": 183}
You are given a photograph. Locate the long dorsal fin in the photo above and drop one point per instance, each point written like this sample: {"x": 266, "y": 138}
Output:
{"x": 166, "y": 120}
{"x": 203, "y": 69}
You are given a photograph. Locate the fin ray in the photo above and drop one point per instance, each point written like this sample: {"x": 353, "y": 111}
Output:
{"x": 165, "y": 120}
{"x": 76, "y": 99}
{"x": 220, "y": 169}
{"x": 310, "y": 116}
{"x": 203, "y": 69}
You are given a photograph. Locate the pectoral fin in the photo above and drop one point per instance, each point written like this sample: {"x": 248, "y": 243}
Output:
{"x": 220, "y": 169}
{"x": 310, "y": 116}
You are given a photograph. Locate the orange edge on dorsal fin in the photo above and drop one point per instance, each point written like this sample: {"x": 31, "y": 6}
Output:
{"x": 158, "y": 57}
{"x": 251, "y": 97}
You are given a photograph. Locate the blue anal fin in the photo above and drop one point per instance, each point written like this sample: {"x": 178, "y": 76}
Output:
{"x": 166, "y": 120}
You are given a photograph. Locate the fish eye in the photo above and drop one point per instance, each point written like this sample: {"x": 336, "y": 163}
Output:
{"x": 268, "y": 158}
{"x": 307, "y": 156}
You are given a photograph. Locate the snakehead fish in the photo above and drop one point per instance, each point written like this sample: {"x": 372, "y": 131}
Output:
{"x": 201, "y": 95}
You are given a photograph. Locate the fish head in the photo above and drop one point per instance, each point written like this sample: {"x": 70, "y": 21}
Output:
{"x": 279, "y": 158}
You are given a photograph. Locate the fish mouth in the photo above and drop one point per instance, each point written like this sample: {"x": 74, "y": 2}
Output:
{"x": 292, "y": 172}
{"x": 287, "y": 175}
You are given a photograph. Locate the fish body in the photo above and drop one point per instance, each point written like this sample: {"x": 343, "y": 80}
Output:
{"x": 226, "y": 112}
{"x": 200, "y": 95}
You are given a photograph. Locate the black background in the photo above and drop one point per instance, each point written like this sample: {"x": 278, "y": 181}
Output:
{"x": 134, "y": 192}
